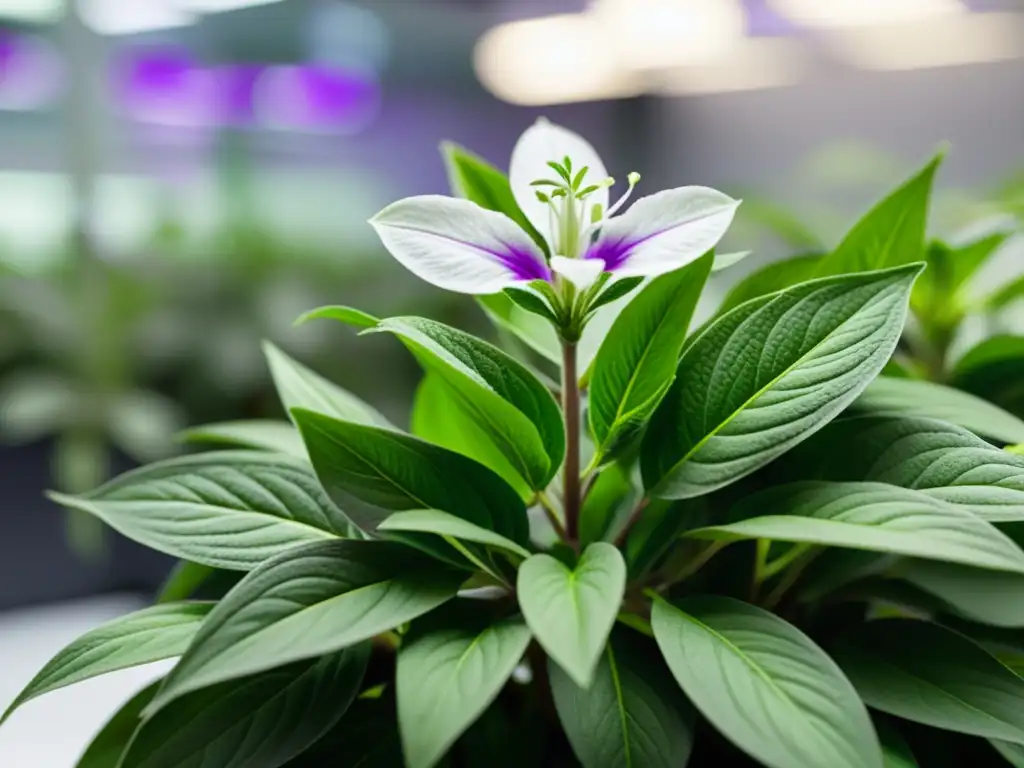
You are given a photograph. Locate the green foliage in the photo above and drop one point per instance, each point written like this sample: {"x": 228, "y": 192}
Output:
{"x": 720, "y": 546}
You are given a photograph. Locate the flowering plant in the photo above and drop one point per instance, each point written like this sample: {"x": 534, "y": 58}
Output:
{"x": 697, "y": 546}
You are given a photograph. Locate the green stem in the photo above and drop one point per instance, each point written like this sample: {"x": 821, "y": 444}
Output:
{"x": 634, "y": 516}
{"x": 791, "y": 577}
{"x": 696, "y": 563}
{"x": 552, "y": 513}
{"x": 571, "y": 414}
{"x": 779, "y": 564}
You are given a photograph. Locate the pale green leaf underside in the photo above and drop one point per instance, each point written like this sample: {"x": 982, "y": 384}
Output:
{"x": 444, "y": 524}
{"x": 765, "y": 685}
{"x": 308, "y": 602}
{"x": 264, "y": 435}
{"x": 870, "y": 516}
{"x": 926, "y": 673}
{"x": 571, "y": 612}
{"x": 768, "y": 374}
{"x": 229, "y": 509}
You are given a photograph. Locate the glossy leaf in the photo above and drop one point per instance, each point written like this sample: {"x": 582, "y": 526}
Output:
{"x": 306, "y": 603}
{"x": 571, "y": 611}
{"x": 508, "y": 402}
{"x": 301, "y": 387}
{"x": 942, "y": 460}
{"x": 106, "y": 748}
{"x": 443, "y": 524}
{"x": 449, "y": 670}
{"x": 637, "y": 360}
{"x": 262, "y": 721}
{"x": 771, "y": 278}
{"x": 631, "y": 716}
{"x": 765, "y": 685}
{"x": 911, "y": 397}
{"x": 870, "y": 516}
{"x": 267, "y": 435}
{"x": 891, "y": 234}
{"x": 438, "y": 417}
{"x": 767, "y": 375}
{"x": 152, "y": 634}
{"x": 932, "y": 675}
{"x": 394, "y": 471}
{"x": 230, "y": 509}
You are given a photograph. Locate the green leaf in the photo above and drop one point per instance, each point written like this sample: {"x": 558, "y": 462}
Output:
{"x": 534, "y": 331}
{"x": 765, "y": 685}
{"x": 606, "y": 503}
{"x": 571, "y": 611}
{"x": 365, "y": 737}
{"x": 186, "y": 579}
{"x": 993, "y": 370}
{"x": 261, "y": 721}
{"x": 443, "y": 524}
{"x": 895, "y": 751}
{"x": 508, "y": 402}
{"x": 152, "y": 634}
{"x": 106, "y": 748}
{"x": 1005, "y": 295}
{"x": 477, "y": 180}
{"x": 990, "y": 597}
{"x": 932, "y": 675}
{"x": 949, "y": 268}
{"x": 631, "y": 716}
{"x": 347, "y": 315}
{"x": 770, "y": 279}
{"x": 300, "y": 387}
{"x": 449, "y": 670}
{"x": 264, "y": 435}
{"x": 891, "y": 234}
{"x": 615, "y": 291}
{"x": 1012, "y": 753}
{"x": 308, "y": 602}
{"x": 531, "y": 302}
{"x": 870, "y": 516}
{"x": 767, "y": 375}
{"x": 637, "y": 360}
{"x": 439, "y": 417}
{"x": 911, "y": 397}
{"x": 942, "y": 460}
{"x": 230, "y": 509}
{"x": 394, "y": 471}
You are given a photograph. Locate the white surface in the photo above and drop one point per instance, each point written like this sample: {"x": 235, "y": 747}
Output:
{"x": 53, "y": 730}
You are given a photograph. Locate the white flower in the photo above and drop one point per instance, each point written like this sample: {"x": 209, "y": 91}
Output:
{"x": 562, "y": 186}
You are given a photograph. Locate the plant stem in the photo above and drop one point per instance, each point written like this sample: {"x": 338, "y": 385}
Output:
{"x": 571, "y": 414}
{"x": 633, "y": 517}
{"x": 552, "y": 514}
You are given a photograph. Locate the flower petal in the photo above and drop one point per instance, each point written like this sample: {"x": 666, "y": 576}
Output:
{"x": 664, "y": 231}
{"x": 580, "y": 272}
{"x": 459, "y": 246}
{"x": 541, "y": 143}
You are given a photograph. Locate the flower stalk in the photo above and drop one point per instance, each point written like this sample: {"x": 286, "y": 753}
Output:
{"x": 571, "y": 415}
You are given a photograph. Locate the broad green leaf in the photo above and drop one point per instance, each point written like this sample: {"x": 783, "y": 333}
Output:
{"x": 394, "y": 471}
{"x": 365, "y": 737}
{"x": 183, "y": 581}
{"x": 895, "y": 750}
{"x": 1012, "y": 753}
{"x": 347, "y": 315}
{"x": 301, "y": 387}
{"x": 230, "y": 509}
{"x": 571, "y": 611}
{"x": 911, "y": 397}
{"x": 152, "y": 634}
{"x": 437, "y": 416}
{"x": 608, "y": 501}
{"x": 990, "y": 597}
{"x": 942, "y": 460}
{"x": 949, "y": 268}
{"x": 767, "y": 375}
{"x": 770, "y": 279}
{"x": 306, "y": 603}
{"x": 891, "y": 234}
{"x": 632, "y": 715}
{"x": 106, "y": 748}
{"x": 637, "y": 360}
{"x": 870, "y": 516}
{"x": 266, "y": 435}
{"x": 993, "y": 370}
{"x": 262, "y": 721}
{"x": 932, "y": 675}
{"x": 765, "y": 685}
{"x": 448, "y": 671}
{"x": 535, "y": 332}
{"x": 516, "y": 411}
{"x": 443, "y": 524}
{"x": 473, "y": 178}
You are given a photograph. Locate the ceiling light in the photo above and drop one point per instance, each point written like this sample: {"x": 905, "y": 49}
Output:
{"x": 126, "y": 17}
{"x": 752, "y": 65}
{"x": 860, "y": 13}
{"x": 552, "y": 60}
{"x": 654, "y": 34}
{"x": 39, "y": 11}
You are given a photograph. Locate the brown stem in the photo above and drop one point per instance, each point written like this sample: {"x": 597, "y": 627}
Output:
{"x": 633, "y": 517}
{"x": 571, "y": 414}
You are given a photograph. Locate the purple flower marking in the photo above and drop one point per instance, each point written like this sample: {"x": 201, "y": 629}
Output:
{"x": 523, "y": 264}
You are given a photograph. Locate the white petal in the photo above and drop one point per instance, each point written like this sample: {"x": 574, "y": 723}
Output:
{"x": 665, "y": 231}
{"x": 459, "y": 246}
{"x": 543, "y": 142}
{"x": 580, "y": 272}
